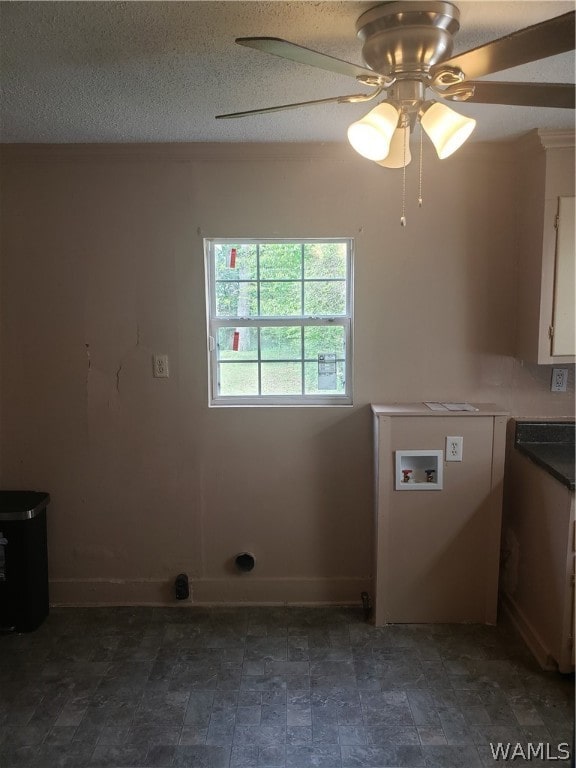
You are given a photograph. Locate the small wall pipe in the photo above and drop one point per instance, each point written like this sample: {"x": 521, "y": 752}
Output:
{"x": 245, "y": 561}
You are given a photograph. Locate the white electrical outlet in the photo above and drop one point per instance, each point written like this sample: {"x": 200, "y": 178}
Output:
{"x": 559, "y": 380}
{"x": 454, "y": 448}
{"x": 161, "y": 367}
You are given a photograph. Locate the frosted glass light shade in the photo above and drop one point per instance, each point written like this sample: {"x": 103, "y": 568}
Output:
{"x": 371, "y": 135}
{"x": 396, "y": 157}
{"x": 447, "y": 129}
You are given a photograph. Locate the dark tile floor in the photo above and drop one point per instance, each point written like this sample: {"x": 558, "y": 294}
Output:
{"x": 271, "y": 688}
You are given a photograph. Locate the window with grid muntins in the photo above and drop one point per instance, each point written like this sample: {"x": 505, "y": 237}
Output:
{"x": 279, "y": 321}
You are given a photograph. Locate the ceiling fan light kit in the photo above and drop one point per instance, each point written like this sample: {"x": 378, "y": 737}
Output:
{"x": 373, "y": 135}
{"x": 407, "y": 49}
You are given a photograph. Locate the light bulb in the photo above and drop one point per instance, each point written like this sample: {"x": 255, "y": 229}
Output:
{"x": 371, "y": 135}
{"x": 396, "y": 157}
{"x": 447, "y": 129}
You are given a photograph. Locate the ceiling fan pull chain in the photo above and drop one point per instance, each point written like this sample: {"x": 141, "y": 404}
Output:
{"x": 420, "y": 172}
{"x": 403, "y": 217}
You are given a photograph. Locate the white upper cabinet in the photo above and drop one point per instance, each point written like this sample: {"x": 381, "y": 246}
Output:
{"x": 546, "y": 250}
{"x": 563, "y": 318}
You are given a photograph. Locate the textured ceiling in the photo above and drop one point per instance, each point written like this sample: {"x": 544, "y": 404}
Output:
{"x": 161, "y": 71}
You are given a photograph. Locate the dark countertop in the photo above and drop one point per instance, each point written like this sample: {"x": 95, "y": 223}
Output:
{"x": 549, "y": 444}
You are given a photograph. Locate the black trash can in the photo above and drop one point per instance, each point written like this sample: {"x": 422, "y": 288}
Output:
{"x": 23, "y": 560}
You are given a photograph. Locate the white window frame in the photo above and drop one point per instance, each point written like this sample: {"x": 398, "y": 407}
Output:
{"x": 214, "y": 323}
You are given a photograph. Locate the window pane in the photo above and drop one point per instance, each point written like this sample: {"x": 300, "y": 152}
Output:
{"x": 280, "y": 299}
{"x": 281, "y": 379}
{"x": 315, "y": 384}
{"x": 238, "y": 379}
{"x": 235, "y": 261}
{"x": 279, "y": 315}
{"x": 324, "y": 339}
{"x": 325, "y": 260}
{"x": 234, "y": 299}
{"x": 281, "y": 343}
{"x": 325, "y": 298}
{"x": 237, "y": 343}
{"x": 280, "y": 261}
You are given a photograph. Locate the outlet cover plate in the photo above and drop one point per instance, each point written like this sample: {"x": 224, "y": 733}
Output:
{"x": 161, "y": 370}
{"x": 559, "y": 380}
{"x": 454, "y": 448}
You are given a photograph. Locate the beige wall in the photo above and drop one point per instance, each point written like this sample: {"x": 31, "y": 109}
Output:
{"x": 102, "y": 266}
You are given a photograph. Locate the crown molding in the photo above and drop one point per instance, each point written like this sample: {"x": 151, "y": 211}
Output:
{"x": 556, "y": 139}
{"x": 547, "y": 139}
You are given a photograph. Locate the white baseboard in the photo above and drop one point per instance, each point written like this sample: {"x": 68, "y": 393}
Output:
{"x": 242, "y": 590}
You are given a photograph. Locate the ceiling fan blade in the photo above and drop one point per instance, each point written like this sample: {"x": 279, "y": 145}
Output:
{"x": 333, "y": 99}
{"x": 286, "y": 50}
{"x": 519, "y": 94}
{"x": 548, "y": 38}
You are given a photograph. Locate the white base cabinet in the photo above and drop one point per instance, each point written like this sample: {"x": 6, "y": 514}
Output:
{"x": 538, "y": 561}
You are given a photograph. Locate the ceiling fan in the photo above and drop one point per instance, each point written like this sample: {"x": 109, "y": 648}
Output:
{"x": 407, "y": 49}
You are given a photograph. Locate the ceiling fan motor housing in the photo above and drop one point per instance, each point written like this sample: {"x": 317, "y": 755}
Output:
{"x": 405, "y": 39}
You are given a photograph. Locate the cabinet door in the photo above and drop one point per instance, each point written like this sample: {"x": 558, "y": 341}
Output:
{"x": 563, "y": 338}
